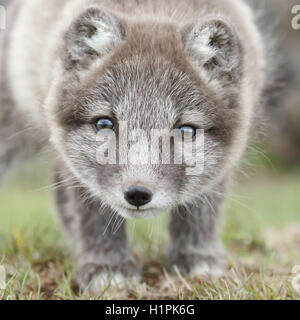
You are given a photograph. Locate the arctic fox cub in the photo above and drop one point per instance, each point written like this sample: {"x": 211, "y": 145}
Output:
{"x": 96, "y": 79}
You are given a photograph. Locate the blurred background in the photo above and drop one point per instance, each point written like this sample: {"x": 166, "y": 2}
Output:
{"x": 284, "y": 118}
{"x": 261, "y": 222}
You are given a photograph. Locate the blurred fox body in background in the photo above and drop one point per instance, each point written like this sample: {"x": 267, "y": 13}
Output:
{"x": 72, "y": 68}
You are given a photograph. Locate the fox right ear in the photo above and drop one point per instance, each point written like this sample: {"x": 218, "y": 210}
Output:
{"x": 92, "y": 35}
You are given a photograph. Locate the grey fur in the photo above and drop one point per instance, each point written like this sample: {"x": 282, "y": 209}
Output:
{"x": 101, "y": 244}
{"x": 143, "y": 62}
{"x": 194, "y": 241}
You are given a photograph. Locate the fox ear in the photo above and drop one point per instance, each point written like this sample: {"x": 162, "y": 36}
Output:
{"x": 93, "y": 34}
{"x": 214, "y": 45}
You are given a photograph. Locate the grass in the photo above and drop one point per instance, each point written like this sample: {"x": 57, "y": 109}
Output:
{"x": 260, "y": 228}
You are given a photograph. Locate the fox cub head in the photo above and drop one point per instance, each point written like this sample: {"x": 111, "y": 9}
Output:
{"x": 147, "y": 114}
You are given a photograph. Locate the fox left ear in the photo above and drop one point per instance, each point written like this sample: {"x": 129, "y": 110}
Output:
{"x": 93, "y": 34}
{"x": 215, "y": 46}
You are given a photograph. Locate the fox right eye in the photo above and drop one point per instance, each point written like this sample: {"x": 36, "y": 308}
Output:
{"x": 188, "y": 132}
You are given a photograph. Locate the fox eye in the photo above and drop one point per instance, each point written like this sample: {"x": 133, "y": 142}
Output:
{"x": 104, "y": 123}
{"x": 188, "y": 131}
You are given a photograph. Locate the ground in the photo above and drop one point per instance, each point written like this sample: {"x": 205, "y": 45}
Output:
{"x": 260, "y": 228}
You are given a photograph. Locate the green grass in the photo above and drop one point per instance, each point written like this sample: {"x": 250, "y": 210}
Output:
{"x": 260, "y": 228}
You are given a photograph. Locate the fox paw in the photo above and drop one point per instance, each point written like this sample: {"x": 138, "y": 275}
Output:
{"x": 96, "y": 277}
{"x": 198, "y": 265}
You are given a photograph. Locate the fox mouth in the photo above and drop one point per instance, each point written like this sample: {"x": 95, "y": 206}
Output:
{"x": 139, "y": 213}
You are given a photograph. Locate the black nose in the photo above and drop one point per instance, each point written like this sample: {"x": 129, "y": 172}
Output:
{"x": 138, "y": 196}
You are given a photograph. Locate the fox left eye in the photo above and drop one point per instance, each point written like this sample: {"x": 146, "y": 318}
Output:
{"x": 104, "y": 123}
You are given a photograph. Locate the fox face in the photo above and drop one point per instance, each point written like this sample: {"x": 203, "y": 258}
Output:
{"x": 148, "y": 115}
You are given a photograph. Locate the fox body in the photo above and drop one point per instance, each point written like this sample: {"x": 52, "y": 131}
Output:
{"x": 72, "y": 68}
